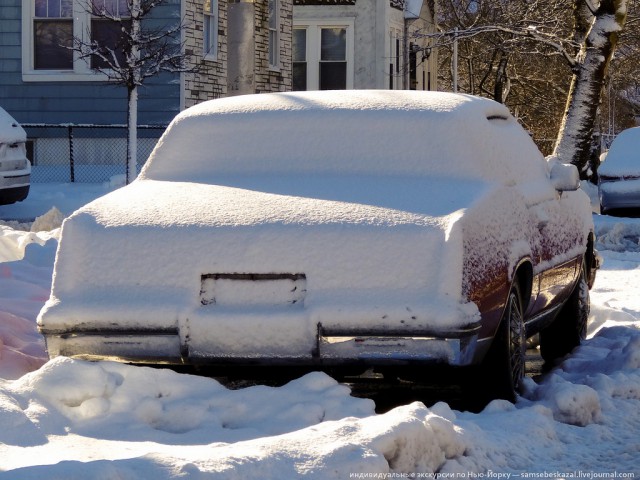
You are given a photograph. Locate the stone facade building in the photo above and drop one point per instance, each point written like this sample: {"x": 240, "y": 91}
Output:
{"x": 256, "y": 46}
{"x": 239, "y": 47}
{"x": 381, "y": 44}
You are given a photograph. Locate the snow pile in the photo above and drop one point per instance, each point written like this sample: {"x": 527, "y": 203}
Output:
{"x": 109, "y": 419}
{"x": 13, "y": 242}
{"x": 24, "y": 286}
{"x": 584, "y": 389}
{"x": 49, "y": 221}
{"x": 570, "y": 403}
{"x": 102, "y": 398}
{"x": 618, "y": 235}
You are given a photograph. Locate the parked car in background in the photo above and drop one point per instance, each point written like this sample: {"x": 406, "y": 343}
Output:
{"x": 619, "y": 173}
{"x": 15, "y": 168}
{"x": 332, "y": 230}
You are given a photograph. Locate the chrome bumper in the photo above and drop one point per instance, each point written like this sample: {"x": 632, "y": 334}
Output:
{"x": 333, "y": 348}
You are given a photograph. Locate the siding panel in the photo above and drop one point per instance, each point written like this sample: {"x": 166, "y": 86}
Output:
{"x": 78, "y": 102}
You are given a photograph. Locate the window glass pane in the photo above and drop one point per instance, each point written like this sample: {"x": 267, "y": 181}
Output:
{"x": 210, "y": 23}
{"x": 66, "y": 8}
{"x": 52, "y": 37}
{"x": 107, "y": 34}
{"x": 273, "y": 48}
{"x": 273, "y": 14}
{"x": 333, "y": 44}
{"x": 41, "y": 8}
{"x": 299, "y": 76}
{"x": 333, "y": 76}
{"x": 299, "y": 45}
{"x": 111, "y": 6}
{"x": 54, "y": 9}
{"x": 97, "y": 6}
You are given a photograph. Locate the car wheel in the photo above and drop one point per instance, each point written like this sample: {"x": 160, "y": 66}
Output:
{"x": 570, "y": 326}
{"x": 504, "y": 366}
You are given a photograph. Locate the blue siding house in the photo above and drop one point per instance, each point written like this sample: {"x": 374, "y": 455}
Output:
{"x": 44, "y": 83}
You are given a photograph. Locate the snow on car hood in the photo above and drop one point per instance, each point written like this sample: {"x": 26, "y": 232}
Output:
{"x": 370, "y": 248}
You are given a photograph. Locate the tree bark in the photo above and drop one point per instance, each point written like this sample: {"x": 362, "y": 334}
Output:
{"x": 132, "y": 134}
{"x": 574, "y": 140}
{"x": 133, "y": 62}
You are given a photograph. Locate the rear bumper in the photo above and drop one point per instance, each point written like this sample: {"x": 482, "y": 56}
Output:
{"x": 332, "y": 348}
{"x": 612, "y": 197}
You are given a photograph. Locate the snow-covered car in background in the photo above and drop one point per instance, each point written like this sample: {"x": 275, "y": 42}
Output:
{"x": 331, "y": 229}
{"x": 619, "y": 173}
{"x": 15, "y": 168}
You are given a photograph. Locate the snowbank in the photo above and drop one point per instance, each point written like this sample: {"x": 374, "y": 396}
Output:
{"x": 113, "y": 420}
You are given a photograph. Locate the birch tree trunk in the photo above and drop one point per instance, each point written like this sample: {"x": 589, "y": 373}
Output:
{"x": 132, "y": 134}
{"x": 573, "y": 144}
{"x": 133, "y": 64}
{"x": 141, "y": 51}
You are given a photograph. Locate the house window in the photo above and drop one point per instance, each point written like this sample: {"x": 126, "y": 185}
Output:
{"x": 210, "y": 44}
{"x": 49, "y": 28}
{"x": 53, "y": 35}
{"x": 274, "y": 40}
{"x": 323, "y": 55}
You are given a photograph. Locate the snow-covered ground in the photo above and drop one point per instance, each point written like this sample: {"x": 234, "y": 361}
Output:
{"x": 72, "y": 419}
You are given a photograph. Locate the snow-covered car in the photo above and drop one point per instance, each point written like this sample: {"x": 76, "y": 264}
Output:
{"x": 331, "y": 229}
{"x": 15, "y": 168}
{"x": 619, "y": 173}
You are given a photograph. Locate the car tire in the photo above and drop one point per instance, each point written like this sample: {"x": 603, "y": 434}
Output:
{"x": 570, "y": 326}
{"x": 504, "y": 365}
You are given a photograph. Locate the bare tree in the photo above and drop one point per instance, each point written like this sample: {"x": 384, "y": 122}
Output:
{"x": 128, "y": 51}
{"x": 513, "y": 52}
{"x": 597, "y": 27}
{"x": 546, "y": 59}
{"x": 621, "y": 98}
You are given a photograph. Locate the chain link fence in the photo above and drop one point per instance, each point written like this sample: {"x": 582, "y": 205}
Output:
{"x": 84, "y": 153}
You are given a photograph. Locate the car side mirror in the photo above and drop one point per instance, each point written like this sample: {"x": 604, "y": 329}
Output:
{"x": 564, "y": 177}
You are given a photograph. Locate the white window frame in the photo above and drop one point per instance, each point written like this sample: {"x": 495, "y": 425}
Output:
{"x": 210, "y": 30}
{"x": 81, "y": 71}
{"x": 274, "y": 35}
{"x": 313, "y": 28}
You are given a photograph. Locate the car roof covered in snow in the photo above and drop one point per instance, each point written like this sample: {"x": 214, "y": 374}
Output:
{"x": 623, "y": 157}
{"x": 374, "y": 132}
{"x": 10, "y": 130}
